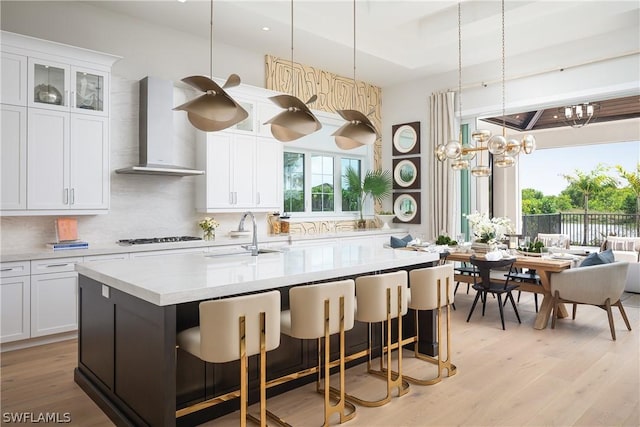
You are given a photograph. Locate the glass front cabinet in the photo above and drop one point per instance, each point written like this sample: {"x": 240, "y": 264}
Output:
{"x": 58, "y": 86}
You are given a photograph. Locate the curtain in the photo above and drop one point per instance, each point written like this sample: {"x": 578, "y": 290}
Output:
{"x": 442, "y": 206}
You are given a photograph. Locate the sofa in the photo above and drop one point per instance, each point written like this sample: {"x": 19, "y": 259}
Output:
{"x": 626, "y": 249}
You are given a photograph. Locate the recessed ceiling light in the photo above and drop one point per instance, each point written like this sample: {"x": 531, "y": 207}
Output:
{"x": 182, "y": 1}
{"x": 266, "y": 29}
{"x": 555, "y": 116}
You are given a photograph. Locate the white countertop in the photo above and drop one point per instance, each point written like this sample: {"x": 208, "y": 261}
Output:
{"x": 194, "y": 277}
{"x": 42, "y": 252}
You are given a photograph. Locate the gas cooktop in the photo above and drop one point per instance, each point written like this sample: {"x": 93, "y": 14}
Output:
{"x": 127, "y": 242}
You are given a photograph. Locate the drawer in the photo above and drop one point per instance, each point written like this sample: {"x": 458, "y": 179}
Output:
{"x": 146, "y": 254}
{"x": 57, "y": 265}
{"x": 16, "y": 268}
{"x": 108, "y": 257}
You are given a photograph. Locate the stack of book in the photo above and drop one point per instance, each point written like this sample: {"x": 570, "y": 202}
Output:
{"x": 67, "y": 235}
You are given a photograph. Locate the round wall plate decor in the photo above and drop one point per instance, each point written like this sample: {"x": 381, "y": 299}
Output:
{"x": 406, "y": 173}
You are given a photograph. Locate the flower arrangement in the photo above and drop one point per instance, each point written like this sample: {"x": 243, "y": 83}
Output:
{"x": 209, "y": 226}
{"x": 487, "y": 230}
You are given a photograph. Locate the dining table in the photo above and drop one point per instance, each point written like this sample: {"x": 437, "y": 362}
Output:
{"x": 543, "y": 266}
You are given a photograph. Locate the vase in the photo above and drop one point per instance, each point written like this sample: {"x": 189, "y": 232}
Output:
{"x": 481, "y": 248}
{"x": 361, "y": 224}
{"x": 209, "y": 235}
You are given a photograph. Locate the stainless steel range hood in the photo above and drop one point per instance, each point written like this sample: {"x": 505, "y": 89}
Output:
{"x": 156, "y": 131}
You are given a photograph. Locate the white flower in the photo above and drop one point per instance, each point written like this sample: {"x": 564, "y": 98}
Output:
{"x": 208, "y": 224}
{"x": 489, "y": 230}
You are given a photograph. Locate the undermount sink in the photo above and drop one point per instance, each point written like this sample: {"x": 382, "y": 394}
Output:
{"x": 261, "y": 251}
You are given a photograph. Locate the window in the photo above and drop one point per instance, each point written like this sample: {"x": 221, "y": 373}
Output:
{"x": 320, "y": 178}
{"x": 349, "y": 200}
{"x": 314, "y": 173}
{"x": 322, "y": 183}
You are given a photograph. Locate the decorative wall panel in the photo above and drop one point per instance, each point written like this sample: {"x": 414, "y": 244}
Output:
{"x": 334, "y": 92}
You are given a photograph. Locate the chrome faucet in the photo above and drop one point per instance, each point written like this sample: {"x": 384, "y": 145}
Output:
{"x": 254, "y": 243}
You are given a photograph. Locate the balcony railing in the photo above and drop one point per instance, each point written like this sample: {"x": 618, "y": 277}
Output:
{"x": 597, "y": 227}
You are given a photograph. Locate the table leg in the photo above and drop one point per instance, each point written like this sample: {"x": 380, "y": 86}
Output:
{"x": 542, "y": 319}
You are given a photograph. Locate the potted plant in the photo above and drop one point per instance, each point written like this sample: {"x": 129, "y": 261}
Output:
{"x": 375, "y": 184}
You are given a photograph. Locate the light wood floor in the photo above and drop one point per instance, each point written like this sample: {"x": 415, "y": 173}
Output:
{"x": 573, "y": 375}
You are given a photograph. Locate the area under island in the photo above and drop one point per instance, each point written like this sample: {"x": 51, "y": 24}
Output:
{"x": 131, "y": 310}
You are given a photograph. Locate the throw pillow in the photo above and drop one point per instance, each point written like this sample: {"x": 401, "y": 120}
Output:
{"x": 592, "y": 259}
{"x": 396, "y": 242}
{"x": 606, "y": 256}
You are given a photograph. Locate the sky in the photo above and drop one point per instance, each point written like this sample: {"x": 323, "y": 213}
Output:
{"x": 543, "y": 169}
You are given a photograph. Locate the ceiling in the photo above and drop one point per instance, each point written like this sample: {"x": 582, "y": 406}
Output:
{"x": 399, "y": 41}
{"x": 551, "y": 117}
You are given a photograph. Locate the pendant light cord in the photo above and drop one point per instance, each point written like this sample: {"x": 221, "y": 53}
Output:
{"x": 504, "y": 130}
{"x": 211, "y": 42}
{"x": 355, "y": 85}
{"x": 293, "y": 91}
{"x": 459, "y": 75}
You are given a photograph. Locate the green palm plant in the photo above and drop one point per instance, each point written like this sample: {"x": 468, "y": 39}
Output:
{"x": 375, "y": 184}
{"x": 633, "y": 182}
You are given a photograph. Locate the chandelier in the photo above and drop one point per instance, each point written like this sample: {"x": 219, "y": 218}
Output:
{"x": 505, "y": 151}
{"x": 579, "y": 115}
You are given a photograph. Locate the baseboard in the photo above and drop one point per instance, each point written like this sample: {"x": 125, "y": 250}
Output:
{"x": 33, "y": 342}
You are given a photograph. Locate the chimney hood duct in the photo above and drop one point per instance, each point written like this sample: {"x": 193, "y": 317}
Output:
{"x": 156, "y": 131}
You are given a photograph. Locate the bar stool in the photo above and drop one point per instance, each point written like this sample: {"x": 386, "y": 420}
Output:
{"x": 251, "y": 326}
{"x": 380, "y": 298}
{"x": 432, "y": 289}
{"x": 319, "y": 311}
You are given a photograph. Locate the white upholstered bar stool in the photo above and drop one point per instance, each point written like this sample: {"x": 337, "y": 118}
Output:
{"x": 234, "y": 329}
{"x": 432, "y": 289}
{"x": 381, "y": 298}
{"x": 317, "y": 312}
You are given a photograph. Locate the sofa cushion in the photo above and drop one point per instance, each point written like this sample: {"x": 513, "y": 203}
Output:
{"x": 623, "y": 243}
{"x": 605, "y": 257}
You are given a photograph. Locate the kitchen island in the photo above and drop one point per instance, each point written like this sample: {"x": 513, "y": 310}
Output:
{"x": 131, "y": 310}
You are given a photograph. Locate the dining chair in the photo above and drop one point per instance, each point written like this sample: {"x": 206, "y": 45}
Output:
{"x": 484, "y": 286}
{"x": 530, "y": 276}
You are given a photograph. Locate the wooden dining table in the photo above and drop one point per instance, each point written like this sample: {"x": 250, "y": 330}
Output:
{"x": 544, "y": 268}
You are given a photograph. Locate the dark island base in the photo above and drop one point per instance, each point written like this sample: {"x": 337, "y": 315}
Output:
{"x": 128, "y": 362}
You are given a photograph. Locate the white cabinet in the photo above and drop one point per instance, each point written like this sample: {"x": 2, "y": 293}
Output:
{"x": 15, "y": 308}
{"x": 243, "y": 172}
{"x": 13, "y": 157}
{"x": 63, "y": 87}
{"x": 66, "y": 126}
{"x": 13, "y": 69}
{"x": 269, "y": 174}
{"x": 54, "y": 296}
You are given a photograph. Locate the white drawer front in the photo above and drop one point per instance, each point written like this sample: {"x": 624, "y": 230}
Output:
{"x": 13, "y": 269}
{"x": 58, "y": 265}
{"x": 108, "y": 257}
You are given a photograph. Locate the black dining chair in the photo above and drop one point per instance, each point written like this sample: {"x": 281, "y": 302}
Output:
{"x": 530, "y": 276}
{"x": 483, "y": 285}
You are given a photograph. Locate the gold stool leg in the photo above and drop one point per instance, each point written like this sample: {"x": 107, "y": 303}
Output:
{"x": 393, "y": 379}
{"x": 442, "y": 364}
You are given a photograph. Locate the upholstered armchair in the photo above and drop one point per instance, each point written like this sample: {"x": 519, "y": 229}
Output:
{"x": 599, "y": 285}
{"x": 557, "y": 240}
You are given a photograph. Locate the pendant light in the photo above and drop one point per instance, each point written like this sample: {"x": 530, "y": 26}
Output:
{"x": 358, "y": 130}
{"x": 296, "y": 120}
{"x": 215, "y": 109}
{"x": 505, "y": 150}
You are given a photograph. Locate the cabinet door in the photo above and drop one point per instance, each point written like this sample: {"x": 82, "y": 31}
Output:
{"x": 13, "y": 73}
{"x": 54, "y": 303}
{"x": 268, "y": 174}
{"x": 14, "y": 308}
{"x": 89, "y": 91}
{"x": 243, "y": 170}
{"x": 47, "y": 159}
{"x": 89, "y": 162}
{"x": 218, "y": 176}
{"x": 48, "y": 85}
{"x": 13, "y": 157}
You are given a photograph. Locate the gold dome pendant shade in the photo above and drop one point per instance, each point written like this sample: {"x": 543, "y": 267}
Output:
{"x": 295, "y": 121}
{"x": 215, "y": 109}
{"x": 358, "y": 130}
